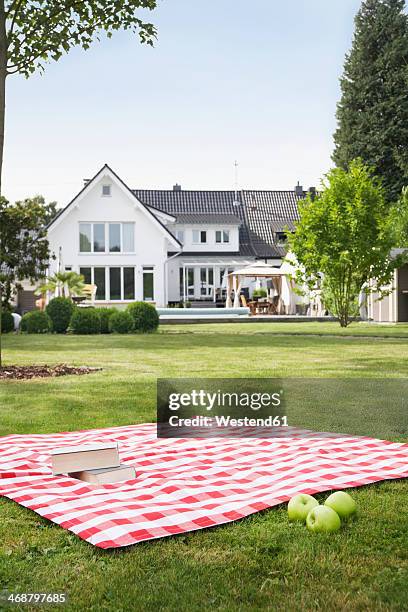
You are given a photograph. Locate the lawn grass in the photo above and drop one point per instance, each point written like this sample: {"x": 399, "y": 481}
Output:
{"x": 261, "y": 562}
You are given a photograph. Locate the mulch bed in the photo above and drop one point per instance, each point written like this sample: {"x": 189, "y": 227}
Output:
{"x": 43, "y": 371}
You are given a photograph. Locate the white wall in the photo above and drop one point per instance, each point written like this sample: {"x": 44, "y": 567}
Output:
{"x": 210, "y": 245}
{"x": 151, "y": 245}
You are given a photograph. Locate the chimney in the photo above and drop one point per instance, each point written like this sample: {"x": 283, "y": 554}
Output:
{"x": 86, "y": 181}
{"x": 299, "y": 190}
{"x": 312, "y": 192}
{"x": 176, "y": 187}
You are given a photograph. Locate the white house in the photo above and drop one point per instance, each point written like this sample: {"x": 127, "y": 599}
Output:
{"x": 166, "y": 245}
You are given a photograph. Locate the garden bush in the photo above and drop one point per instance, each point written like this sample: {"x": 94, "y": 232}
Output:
{"x": 60, "y": 311}
{"x": 36, "y": 322}
{"x": 7, "y": 322}
{"x": 121, "y": 322}
{"x": 259, "y": 293}
{"x": 85, "y": 321}
{"x": 145, "y": 317}
{"x": 104, "y": 316}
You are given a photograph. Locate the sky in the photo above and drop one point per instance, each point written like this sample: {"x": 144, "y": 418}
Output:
{"x": 255, "y": 81}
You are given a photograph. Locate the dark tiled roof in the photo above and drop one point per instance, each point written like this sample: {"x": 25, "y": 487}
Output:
{"x": 200, "y": 202}
{"x": 265, "y": 208}
{"x": 256, "y": 211}
{"x": 208, "y": 218}
{"x": 281, "y": 226}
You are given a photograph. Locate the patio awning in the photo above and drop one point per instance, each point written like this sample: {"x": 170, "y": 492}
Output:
{"x": 260, "y": 270}
{"x": 282, "y": 283}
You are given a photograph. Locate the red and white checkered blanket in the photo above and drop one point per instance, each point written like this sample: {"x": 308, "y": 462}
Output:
{"x": 182, "y": 484}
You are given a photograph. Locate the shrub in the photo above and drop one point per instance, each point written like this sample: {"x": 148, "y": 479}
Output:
{"x": 259, "y": 293}
{"x": 7, "y": 322}
{"x": 145, "y": 317}
{"x": 121, "y": 322}
{"x": 85, "y": 321}
{"x": 60, "y": 311}
{"x": 104, "y": 316}
{"x": 36, "y": 322}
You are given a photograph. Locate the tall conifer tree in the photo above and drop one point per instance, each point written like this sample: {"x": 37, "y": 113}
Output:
{"x": 373, "y": 111}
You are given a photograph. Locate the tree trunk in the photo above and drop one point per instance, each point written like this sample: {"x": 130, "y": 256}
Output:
{"x": 3, "y": 74}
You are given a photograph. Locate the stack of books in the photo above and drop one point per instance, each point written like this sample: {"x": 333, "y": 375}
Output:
{"x": 93, "y": 463}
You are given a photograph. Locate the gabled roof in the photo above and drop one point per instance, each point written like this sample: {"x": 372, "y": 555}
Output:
{"x": 147, "y": 209}
{"x": 259, "y": 213}
{"x": 255, "y": 209}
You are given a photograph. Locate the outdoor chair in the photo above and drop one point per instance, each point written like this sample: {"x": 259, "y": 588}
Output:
{"x": 88, "y": 297}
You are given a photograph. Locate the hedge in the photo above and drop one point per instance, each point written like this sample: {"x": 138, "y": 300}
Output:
{"x": 85, "y": 321}
{"x": 36, "y": 322}
{"x": 7, "y": 322}
{"x": 60, "y": 311}
{"x": 121, "y": 322}
{"x": 104, "y": 316}
{"x": 145, "y": 317}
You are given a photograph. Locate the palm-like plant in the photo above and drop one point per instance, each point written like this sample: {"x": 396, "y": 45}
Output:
{"x": 63, "y": 284}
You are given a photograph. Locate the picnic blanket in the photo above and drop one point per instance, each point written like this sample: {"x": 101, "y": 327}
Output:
{"x": 187, "y": 484}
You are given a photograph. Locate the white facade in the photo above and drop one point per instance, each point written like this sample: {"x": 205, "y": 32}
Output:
{"x": 119, "y": 268}
{"x": 133, "y": 252}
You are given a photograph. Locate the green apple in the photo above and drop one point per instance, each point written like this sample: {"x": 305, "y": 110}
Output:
{"x": 300, "y": 506}
{"x": 342, "y": 503}
{"x": 323, "y": 519}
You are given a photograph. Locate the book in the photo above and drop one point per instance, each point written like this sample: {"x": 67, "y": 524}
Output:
{"x": 84, "y": 457}
{"x": 106, "y": 475}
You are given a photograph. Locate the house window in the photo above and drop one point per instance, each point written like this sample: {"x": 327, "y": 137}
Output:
{"x": 114, "y": 238}
{"x": 68, "y": 268}
{"x": 114, "y": 284}
{"x": 106, "y": 190}
{"x": 222, "y": 236}
{"x": 99, "y": 238}
{"x": 281, "y": 238}
{"x": 85, "y": 237}
{"x": 181, "y": 282}
{"x": 128, "y": 230}
{"x": 99, "y": 279}
{"x": 199, "y": 236}
{"x": 87, "y": 274}
{"x": 96, "y": 238}
{"x": 148, "y": 283}
{"x": 180, "y": 236}
{"x": 128, "y": 283}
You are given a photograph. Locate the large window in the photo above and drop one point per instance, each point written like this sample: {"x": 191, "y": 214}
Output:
{"x": 113, "y": 283}
{"x": 222, "y": 236}
{"x": 128, "y": 230}
{"x": 115, "y": 245}
{"x": 99, "y": 237}
{"x": 148, "y": 283}
{"x": 128, "y": 283}
{"x": 100, "y": 282}
{"x": 106, "y": 237}
{"x": 85, "y": 237}
{"x": 87, "y": 274}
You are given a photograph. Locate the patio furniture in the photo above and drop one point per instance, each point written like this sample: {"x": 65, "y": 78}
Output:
{"x": 280, "y": 278}
{"x": 89, "y": 293}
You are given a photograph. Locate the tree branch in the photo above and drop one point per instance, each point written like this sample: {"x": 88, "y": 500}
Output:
{"x": 15, "y": 8}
